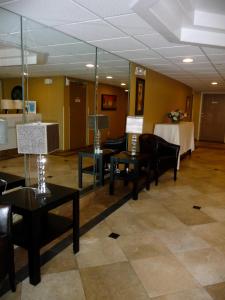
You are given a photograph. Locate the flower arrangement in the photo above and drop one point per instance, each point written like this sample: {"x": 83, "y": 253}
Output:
{"x": 176, "y": 115}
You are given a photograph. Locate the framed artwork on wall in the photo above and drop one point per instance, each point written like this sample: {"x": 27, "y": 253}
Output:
{"x": 31, "y": 106}
{"x": 109, "y": 102}
{"x": 140, "y": 95}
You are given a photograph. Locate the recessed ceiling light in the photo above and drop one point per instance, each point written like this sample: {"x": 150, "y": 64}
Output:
{"x": 126, "y": 91}
{"x": 214, "y": 83}
{"x": 188, "y": 60}
{"x": 122, "y": 83}
{"x": 109, "y": 77}
{"x": 90, "y": 65}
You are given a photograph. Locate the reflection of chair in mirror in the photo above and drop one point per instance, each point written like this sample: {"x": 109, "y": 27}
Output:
{"x": 118, "y": 144}
{"x": 6, "y": 246}
{"x": 163, "y": 155}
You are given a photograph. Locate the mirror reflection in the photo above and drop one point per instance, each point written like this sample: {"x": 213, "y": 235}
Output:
{"x": 51, "y": 77}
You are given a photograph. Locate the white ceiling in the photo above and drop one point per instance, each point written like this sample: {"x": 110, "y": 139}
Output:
{"x": 157, "y": 34}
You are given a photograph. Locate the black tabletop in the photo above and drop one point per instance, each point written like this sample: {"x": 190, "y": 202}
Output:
{"x": 25, "y": 199}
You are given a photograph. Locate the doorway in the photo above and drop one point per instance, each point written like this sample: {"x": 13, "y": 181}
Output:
{"x": 77, "y": 115}
{"x": 212, "y": 118}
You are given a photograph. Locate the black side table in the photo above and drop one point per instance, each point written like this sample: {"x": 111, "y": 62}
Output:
{"x": 12, "y": 181}
{"x": 38, "y": 226}
{"x": 99, "y": 164}
{"x": 140, "y": 168}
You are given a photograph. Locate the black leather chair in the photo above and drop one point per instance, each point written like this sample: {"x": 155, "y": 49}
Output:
{"x": 118, "y": 144}
{"x": 163, "y": 155}
{"x": 6, "y": 246}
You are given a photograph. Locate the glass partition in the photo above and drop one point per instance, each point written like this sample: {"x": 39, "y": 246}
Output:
{"x": 10, "y": 91}
{"x": 63, "y": 80}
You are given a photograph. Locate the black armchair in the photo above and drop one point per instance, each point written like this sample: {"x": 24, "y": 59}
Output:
{"x": 6, "y": 246}
{"x": 118, "y": 144}
{"x": 163, "y": 155}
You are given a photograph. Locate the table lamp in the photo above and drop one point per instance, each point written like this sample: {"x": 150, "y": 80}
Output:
{"x": 98, "y": 122}
{"x": 38, "y": 138}
{"x": 134, "y": 125}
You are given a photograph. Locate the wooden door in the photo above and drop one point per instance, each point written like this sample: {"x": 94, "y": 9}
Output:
{"x": 77, "y": 115}
{"x": 213, "y": 118}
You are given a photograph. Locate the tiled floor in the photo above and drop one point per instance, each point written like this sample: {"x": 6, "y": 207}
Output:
{"x": 167, "y": 250}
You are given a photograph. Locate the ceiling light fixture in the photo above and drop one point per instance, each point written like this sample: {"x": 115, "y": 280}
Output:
{"x": 188, "y": 60}
{"x": 214, "y": 83}
{"x": 109, "y": 77}
{"x": 122, "y": 83}
{"x": 126, "y": 91}
{"x": 90, "y": 65}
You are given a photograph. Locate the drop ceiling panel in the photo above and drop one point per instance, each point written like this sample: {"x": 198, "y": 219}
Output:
{"x": 93, "y": 30}
{"x": 65, "y": 49}
{"x": 71, "y": 59}
{"x": 197, "y": 59}
{"x": 132, "y": 24}
{"x": 51, "y": 12}
{"x": 135, "y": 54}
{"x": 211, "y": 50}
{"x": 119, "y": 44}
{"x": 155, "y": 40}
{"x": 106, "y": 8}
{"x": 217, "y": 58}
{"x": 179, "y": 51}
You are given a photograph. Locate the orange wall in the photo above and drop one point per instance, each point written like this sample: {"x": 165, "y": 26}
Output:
{"x": 162, "y": 94}
{"x": 117, "y": 118}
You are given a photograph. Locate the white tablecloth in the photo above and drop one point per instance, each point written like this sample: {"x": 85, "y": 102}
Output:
{"x": 181, "y": 134}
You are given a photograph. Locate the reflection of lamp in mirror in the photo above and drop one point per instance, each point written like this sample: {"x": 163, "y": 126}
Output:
{"x": 3, "y": 131}
{"x": 134, "y": 125}
{"x": 38, "y": 138}
{"x": 98, "y": 122}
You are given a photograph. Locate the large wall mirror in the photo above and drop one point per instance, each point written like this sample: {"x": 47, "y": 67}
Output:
{"x": 63, "y": 80}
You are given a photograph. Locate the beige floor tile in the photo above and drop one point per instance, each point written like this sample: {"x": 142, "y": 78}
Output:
{"x": 195, "y": 294}
{"x": 64, "y": 261}
{"x": 206, "y": 265}
{"x": 181, "y": 240}
{"x": 55, "y": 286}
{"x": 112, "y": 282}
{"x": 213, "y": 233}
{"x": 99, "y": 252}
{"x": 161, "y": 275}
{"x": 139, "y": 246}
{"x": 217, "y": 213}
{"x": 13, "y": 295}
{"x": 217, "y": 291}
{"x": 100, "y": 231}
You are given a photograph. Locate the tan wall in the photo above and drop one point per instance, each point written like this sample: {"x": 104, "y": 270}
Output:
{"x": 50, "y": 98}
{"x": 117, "y": 118}
{"x": 162, "y": 94}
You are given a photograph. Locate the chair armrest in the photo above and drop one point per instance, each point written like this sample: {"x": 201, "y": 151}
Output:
{"x": 167, "y": 149}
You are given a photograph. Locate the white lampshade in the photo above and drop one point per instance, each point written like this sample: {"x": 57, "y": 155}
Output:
{"x": 102, "y": 121}
{"x": 3, "y": 132}
{"x": 37, "y": 138}
{"x": 134, "y": 124}
{"x": 18, "y": 104}
{"x": 7, "y": 104}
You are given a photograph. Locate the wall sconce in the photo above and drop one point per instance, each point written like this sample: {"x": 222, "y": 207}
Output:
{"x": 38, "y": 138}
{"x": 134, "y": 125}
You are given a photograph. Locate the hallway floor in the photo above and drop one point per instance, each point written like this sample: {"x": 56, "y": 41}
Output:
{"x": 171, "y": 243}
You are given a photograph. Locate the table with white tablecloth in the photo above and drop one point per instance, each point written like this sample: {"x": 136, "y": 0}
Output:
{"x": 181, "y": 134}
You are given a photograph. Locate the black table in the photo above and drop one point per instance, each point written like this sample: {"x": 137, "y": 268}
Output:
{"x": 12, "y": 181}
{"x": 135, "y": 168}
{"x": 38, "y": 226}
{"x": 98, "y": 168}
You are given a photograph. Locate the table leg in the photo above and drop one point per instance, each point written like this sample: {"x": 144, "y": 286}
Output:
{"x": 33, "y": 227}
{"x": 76, "y": 224}
{"x": 80, "y": 162}
{"x": 101, "y": 169}
{"x": 111, "y": 183}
